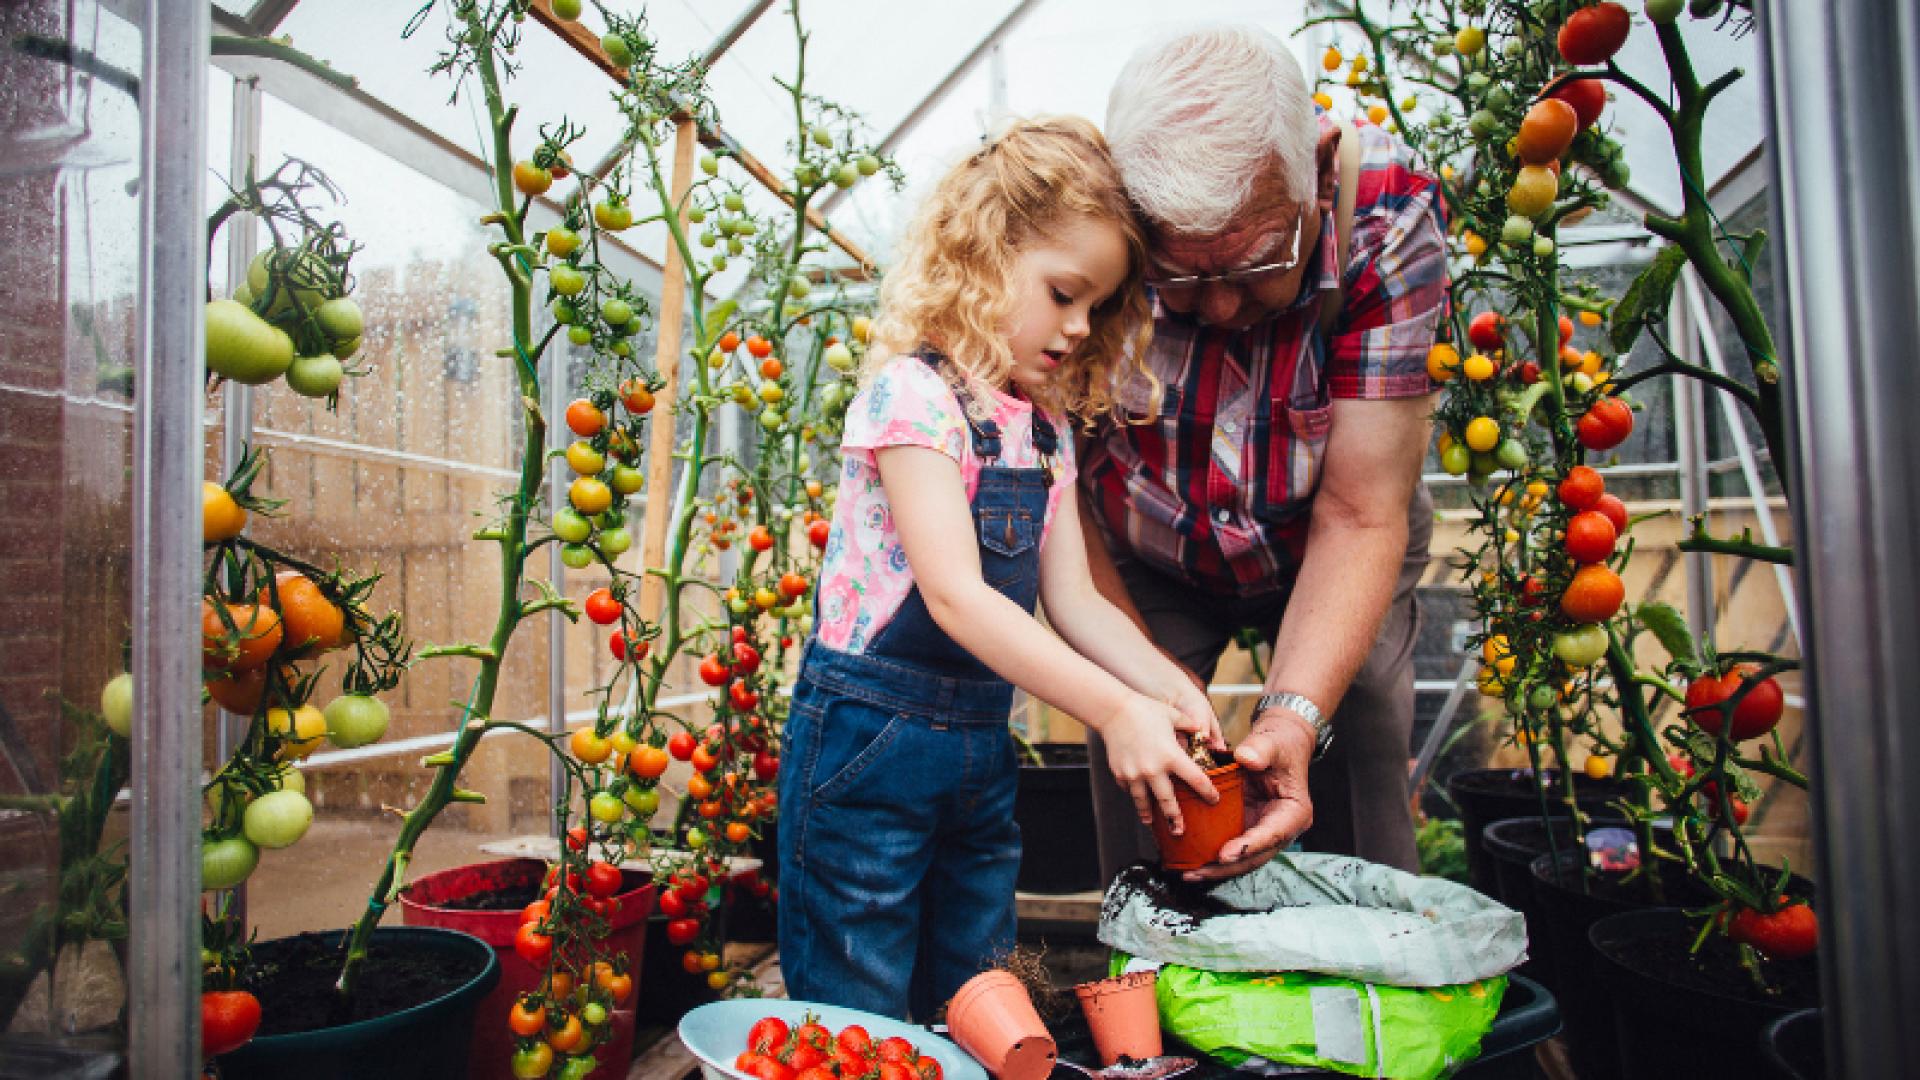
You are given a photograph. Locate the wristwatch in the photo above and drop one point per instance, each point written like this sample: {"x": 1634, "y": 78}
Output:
{"x": 1307, "y": 710}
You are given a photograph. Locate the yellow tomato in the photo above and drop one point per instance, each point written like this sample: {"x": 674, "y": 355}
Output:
{"x": 1442, "y": 361}
{"x": 1477, "y": 368}
{"x": 1475, "y": 243}
{"x": 862, "y": 328}
{"x": 1469, "y": 41}
{"x": 589, "y": 496}
{"x": 1377, "y": 114}
{"x": 1599, "y": 768}
{"x": 1323, "y": 99}
{"x": 1483, "y": 433}
{"x": 1490, "y": 683}
{"x": 1354, "y": 78}
{"x": 1359, "y": 62}
{"x": 582, "y": 458}
{"x": 1533, "y": 191}
{"x": 221, "y": 518}
{"x": 1590, "y": 318}
{"x": 303, "y": 728}
{"x": 1590, "y": 363}
{"x": 1331, "y": 60}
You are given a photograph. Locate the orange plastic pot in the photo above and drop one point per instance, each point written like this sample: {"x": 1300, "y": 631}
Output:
{"x": 1123, "y": 1015}
{"x": 1207, "y": 828}
{"x": 993, "y": 1019}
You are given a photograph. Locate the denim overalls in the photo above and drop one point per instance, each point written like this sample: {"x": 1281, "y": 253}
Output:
{"x": 898, "y": 849}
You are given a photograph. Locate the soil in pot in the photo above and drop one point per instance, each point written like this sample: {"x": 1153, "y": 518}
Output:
{"x": 1485, "y": 796}
{"x": 1054, "y": 808}
{"x": 294, "y": 982}
{"x": 1672, "y": 1005}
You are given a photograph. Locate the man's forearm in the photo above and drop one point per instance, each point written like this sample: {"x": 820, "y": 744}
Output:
{"x": 1341, "y": 595}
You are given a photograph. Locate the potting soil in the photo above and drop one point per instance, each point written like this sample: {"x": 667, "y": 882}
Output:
{"x": 295, "y": 978}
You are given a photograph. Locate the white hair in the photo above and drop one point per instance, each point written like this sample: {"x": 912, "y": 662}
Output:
{"x": 1193, "y": 120}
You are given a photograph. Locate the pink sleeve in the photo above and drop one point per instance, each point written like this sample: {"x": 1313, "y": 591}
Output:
{"x": 907, "y": 404}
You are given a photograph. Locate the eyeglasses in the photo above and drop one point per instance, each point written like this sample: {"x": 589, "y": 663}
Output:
{"x": 1234, "y": 277}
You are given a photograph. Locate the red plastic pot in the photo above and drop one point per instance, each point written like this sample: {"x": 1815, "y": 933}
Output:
{"x": 433, "y": 901}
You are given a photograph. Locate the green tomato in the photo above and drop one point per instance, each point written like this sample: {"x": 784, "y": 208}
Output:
{"x": 696, "y": 839}
{"x": 615, "y": 310}
{"x": 1511, "y": 454}
{"x": 739, "y": 605}
{"x": 243, "y": 294}
{"x": 1581, "y": 648}
{"x": 615, "y": 46}
{"x": 644, "y": 801}
{"x": 719, "y": 262}
{"x": 696, "y": 215}
{"x": 839, "y": 358}
{"x": 707, "y": 238}
{"x": 806, "y": 176}
{"x": 1483, "y": 124}
{"x": 243, "y": 346}
{"x": 303, "y": 276}
{"x": 734, "y": 246}
{"x": 1664, "y": 11}
{"x": 340, "y": 317}
{"x": 567, "y": 9}
{"x": 315, "y": 376}
{"x": 345, "y": 348}
{"x": 822, "y": 137}
{"x": 593, "y": 1014}
{"x": 745, "y": 227}
{"x": 606, "y": 807}
{"x": 1516, "y": 230}
{"x": 580, "y": 335}
{"x": 288, "y": 778}
{"x": 771, "y": 419}
{"x": 576, "y": 556}
{"x": 116, "y": 704}
{"x": 355, "y": 720}
{"x": 709, "y": 164}
{"x": 571, "y": 526}
{"x": 1542, "y": 698}
{"x": 733, "y": 202}
{"x": 1542, "y": 246}
{"x": 615, "y": 542}
{"x": 562, "y": 311}
{"x": 1455, "y": 459}
{"x": 627, "y": 480}
{"x": 277, "y": 819}
{"x": 567, "y": 280}
{"x": 1499, "y": 98}
{"x": 846, "y": 176}
{"x": 579, "y": 1067}
{"x": 868, "y": 165}
{"x": 797, "y": 287}
{"x": 1478, "y": 82}
{"x": 226, "y": 863}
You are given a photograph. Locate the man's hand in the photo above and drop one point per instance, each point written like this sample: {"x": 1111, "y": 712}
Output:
{"x": 1275, "y": 755}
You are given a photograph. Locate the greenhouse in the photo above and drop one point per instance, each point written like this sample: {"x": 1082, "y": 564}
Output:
{"x": 1018, "y": 538}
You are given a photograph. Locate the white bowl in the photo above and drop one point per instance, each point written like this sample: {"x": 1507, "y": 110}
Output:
{"x": 717, "y": 1033}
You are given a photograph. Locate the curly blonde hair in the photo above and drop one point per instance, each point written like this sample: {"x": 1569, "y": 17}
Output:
{"x": 952, "y": 287}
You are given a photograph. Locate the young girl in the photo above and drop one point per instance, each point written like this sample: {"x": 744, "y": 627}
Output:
{"x": 1017, "y": 293}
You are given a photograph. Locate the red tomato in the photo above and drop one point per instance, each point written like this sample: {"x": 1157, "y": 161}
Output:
{"x": 895, "y": 1048}
{"x": 1582, "y": 487}
{"x": 1484, "y": 331}
{"x": 681, "y": 745}
{"x": 746, "y": 658}
{"x": 815, "y": 1035}
{"x": 603, "y": 879}
{"x": 855, "y": 1038}
{"x": 897, "y": 1070}
{"x": 1593, "y": 34}
{"x": 769, "y": 1033}
{"x": 729, "y": 341}
{"x": 815, "y": 1072}
{"x": 1566, "y": 332}
{"x": 1607, "y": 424}
{"x": 1616, "y": 512}
{"x": 577, "y": 838}
{"x": 741, "y": 698}
{"x": 601, "y": 607}
{"x": 682, "y": 931}
{"x": 673, "y": 905}
{"x": 1757, "y": 713}
{"x": 1587, "y": 96}
{"x": 765, "y": 766}
{"x": 849, "y": 1063}
{"x": 760, "y": 539}
{"x": 818, "y": 532}
{"x": 535, "y": 912}
{"x": 623, "y": 642}
{"x": 1791, "y": 932}
{"x": 713, "y": 671}
{"x": 228, "y": 1019}
{"x": 1710, "y": 791}
{"x": 766, "y": 1068}
{"x": 928, "y": 1068}
{"x": 533, "y": 946}
{"x": 703, "y": 759}
{"x": 585, "y": 419}
{"x": 760, "y": 347}
{"x": 793, "y": 585}
{"x": 1590, "y": 537}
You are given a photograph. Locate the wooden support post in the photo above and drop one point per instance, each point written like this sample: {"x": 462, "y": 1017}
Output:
{"x": 666, "y": 359}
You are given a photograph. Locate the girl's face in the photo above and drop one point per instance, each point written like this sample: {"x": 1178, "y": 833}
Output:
{"x": 1059, "y": 279}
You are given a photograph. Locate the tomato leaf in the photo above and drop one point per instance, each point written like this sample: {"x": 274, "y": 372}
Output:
{"x": 717, "y": 319}
{"x": 1647, "y": 298}
{"x": 1667, "y": 624}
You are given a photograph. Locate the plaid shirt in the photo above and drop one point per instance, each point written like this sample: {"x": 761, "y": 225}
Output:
{"x": 1216, "y": 491}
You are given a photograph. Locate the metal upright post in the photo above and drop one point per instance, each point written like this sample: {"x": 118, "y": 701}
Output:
{"x": 1689, "y": 429}
{"x": 1842, "y": 103}
{"x": 163, "y": 961}
{"x": 557, "y": 392}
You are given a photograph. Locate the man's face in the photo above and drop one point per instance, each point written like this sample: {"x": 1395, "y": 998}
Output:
{"x": 1260, "y": 235}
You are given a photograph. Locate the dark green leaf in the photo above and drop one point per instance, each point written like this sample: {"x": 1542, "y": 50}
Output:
{"x": 1667, "y": 625}
{"x": 1647, "y": 298}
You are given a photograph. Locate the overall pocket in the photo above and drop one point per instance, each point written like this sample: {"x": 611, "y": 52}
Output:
{"x": 853, "y": 736}
{"x": 1006, "y": 533}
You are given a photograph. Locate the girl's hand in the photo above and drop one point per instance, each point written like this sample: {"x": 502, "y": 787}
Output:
{"x": 1197, "y": 718}
{"x": 1145, "y": 756}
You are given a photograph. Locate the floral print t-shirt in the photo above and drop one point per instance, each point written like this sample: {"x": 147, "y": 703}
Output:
{"x": 865, "y": 577}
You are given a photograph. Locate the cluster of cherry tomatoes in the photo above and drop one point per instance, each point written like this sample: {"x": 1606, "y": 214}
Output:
{"x": 810, "y": 1051}
{"x": 569, "y": 1013}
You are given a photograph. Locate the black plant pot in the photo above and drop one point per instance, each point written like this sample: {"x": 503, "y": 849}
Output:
{"x": 1054, "y": 808}
{"x": 1794, "y": 1047}
{"x": 1485, "y": 796}
{"x": 1511, "y": 846}
{"x": 1677, "y": 1014}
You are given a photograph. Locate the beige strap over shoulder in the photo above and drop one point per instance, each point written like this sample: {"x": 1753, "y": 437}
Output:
{"x": 1342, "y": 222}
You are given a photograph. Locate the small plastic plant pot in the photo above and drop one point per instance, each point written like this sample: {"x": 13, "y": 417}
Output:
{"x": 1123, "y": 1015}
{"x": 1206, "y": 828}
{"x": 994, "y": 1020}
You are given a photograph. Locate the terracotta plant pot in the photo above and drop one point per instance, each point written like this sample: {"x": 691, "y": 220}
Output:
{"x": 993, "y": 1019}
{"x": 1124, "y": 1016}
{"x": 1207, "y": 828}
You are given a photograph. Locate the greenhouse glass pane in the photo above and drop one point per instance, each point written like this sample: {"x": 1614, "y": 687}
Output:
{"x": 363, "y": 38}
{"x": 397, "y": 480}
{"x": 69, "y": 220}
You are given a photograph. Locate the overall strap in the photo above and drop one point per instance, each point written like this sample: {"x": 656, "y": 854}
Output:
{"x": 986, "y": 433}
{"x": 1342, "y": 224}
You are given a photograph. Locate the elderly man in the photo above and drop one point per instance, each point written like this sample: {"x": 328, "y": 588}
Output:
{"x": 1274, "y": 481}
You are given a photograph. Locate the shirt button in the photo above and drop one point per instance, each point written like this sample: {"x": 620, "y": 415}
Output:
{"x": 1227, "y": 426}
{"x": 1221, "y": 516}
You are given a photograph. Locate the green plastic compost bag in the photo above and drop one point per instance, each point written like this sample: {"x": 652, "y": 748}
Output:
{"x": 1305, "y": 1018}
{"x": 1320, "y": 960}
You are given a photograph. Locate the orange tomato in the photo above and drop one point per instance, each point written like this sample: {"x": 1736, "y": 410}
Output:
{"x": 240, "y": 692}
{"x": 527, "y": 1021}
{"x": 729, "y": 341}
{"x": 585, "y": 419}
{"x": 567, "y": 1035}
{"x": 647, "y": 762}
{"x": 771, "y": 367}
{"x": 738, "y": 833}
{"x": 1547, "y": 131}
{"x": 313, "y": 623}
{"x": 1593, "y": 595}
{"x": 620, "y": 987}
{"x": 699, "y": 787}
{"x": 588, "y": 746}
{"x": 257, "y": 633}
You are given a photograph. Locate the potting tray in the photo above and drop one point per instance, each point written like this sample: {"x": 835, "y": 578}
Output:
{"x": 1528, "y": 1015}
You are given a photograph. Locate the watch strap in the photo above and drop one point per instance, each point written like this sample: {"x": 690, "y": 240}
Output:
{"x": 1304, "y": 707}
